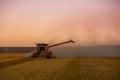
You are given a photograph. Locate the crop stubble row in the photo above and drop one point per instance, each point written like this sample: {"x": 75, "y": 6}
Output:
{"x": 91, "y": 69}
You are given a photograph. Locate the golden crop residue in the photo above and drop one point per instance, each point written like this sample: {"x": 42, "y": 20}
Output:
{"x": 6, "y": 57}
{"x": 82, "y": 68}
{"x": 91, "y": 69}
{"x": 34, "y": 70}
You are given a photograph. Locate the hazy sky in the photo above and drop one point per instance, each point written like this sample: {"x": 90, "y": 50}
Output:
{"x": 88, "y": 22}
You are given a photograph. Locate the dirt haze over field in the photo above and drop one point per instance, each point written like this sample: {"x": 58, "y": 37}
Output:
{"x": 91, "y": 51}
{"x": 88, "y": 22}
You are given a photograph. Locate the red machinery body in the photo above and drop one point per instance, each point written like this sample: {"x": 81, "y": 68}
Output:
{"x": 43, "y": 48}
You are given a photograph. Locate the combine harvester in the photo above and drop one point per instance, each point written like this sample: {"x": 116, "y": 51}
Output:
{"x": 42, "y": 50}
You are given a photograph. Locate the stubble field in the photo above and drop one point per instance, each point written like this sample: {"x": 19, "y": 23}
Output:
{"x": 14, "y": 67}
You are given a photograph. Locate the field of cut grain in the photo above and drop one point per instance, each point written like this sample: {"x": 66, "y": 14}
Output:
{"x": 83, "y": 68}
{"x": 5, "y": 57}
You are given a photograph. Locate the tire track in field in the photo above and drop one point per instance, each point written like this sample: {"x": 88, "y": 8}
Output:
{"x": 114, "y": 65}
{"x": 89, "y": 69}
{"x": 67, "y": 73}
{"x": 14, "y": 62}
{"x": 79, "y": 69}
{"x": 93, "y": 70}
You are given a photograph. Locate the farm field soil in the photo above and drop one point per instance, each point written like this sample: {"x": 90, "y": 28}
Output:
{"x": 5, "y": 57}
{"x": 10, "y": 55}
{"x": 83, "y": 68}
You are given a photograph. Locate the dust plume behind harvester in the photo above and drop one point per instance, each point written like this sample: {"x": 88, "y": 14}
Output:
{"x": 42, "y": 50}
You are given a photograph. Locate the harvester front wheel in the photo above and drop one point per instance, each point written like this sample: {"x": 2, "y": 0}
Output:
{"x": 35, "y": 55}
{"x": 48, "y": 55}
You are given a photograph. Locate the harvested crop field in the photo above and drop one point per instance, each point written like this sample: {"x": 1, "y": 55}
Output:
{"x": 6, "y": 57}
{"x": 82, "y": 68}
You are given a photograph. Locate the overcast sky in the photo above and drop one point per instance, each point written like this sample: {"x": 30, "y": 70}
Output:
{"x": 88, "y": 22}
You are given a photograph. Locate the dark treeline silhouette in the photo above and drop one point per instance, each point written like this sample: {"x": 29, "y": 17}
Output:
{"x": 17, "y": 49}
